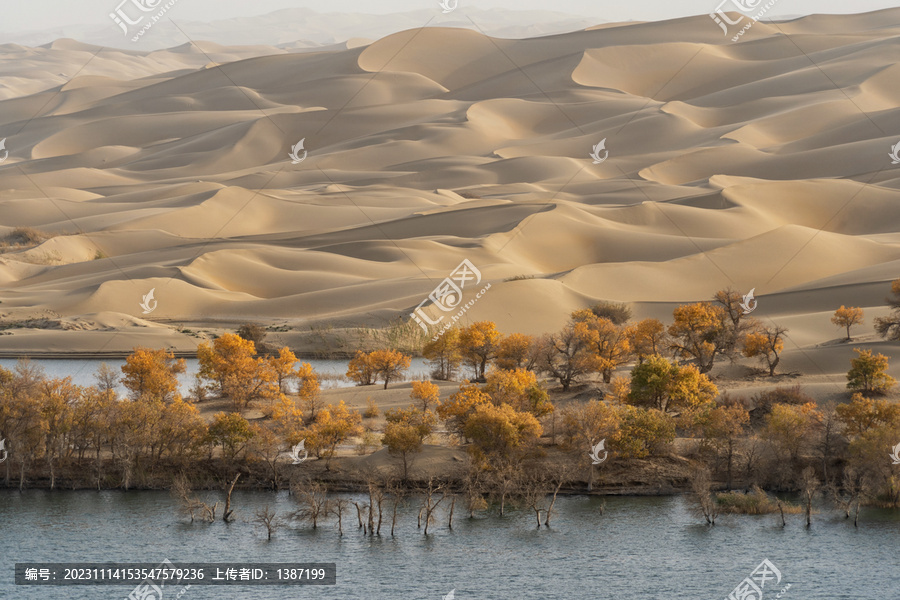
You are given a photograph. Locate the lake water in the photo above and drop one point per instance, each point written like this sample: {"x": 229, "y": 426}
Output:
{"x": 82, "y": 370}
{"x": 639, "y": 548}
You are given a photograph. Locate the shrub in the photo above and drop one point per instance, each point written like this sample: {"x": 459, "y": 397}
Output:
{"x": 764, "y": 401}
{"x": 371, "y": 411}
{"x": 25, "y": 236}
{"x": 617, "y": 312}
{"x": 757, "y": 502}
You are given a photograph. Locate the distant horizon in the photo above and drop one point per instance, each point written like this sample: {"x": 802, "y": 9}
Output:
{"x": 45, "y": 21}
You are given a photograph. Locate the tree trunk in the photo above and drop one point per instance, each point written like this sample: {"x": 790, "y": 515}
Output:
{"x": 730, "y": 462}
{"x": 227, "y": 513}
{"x": 552, "y": 502}
{"x": 856, "y": 515}
{"x": 808, "y": 508}
{"x": 450, "y": 519}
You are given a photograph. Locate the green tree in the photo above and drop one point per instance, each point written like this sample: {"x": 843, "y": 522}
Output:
{"x": 889, "y": 327}
{"x": 789, "y": 429}
{"x": 444, "y": 355}
{"x": 405, "y": 432}
{"x": 520, "y": 389}
{"x": 868, "y": 373}
{"x": 501, "y": 436}
{"x": 862, "y": 414}
{"x": 231, "y": 431}
{"x": 721, "y": 428}
{"x": 333, "y": 425}
{"x": 642, "y": 431}
{"x": 661, "y": 384}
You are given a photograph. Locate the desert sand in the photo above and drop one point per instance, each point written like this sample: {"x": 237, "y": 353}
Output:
{"x": 762, "y": 164}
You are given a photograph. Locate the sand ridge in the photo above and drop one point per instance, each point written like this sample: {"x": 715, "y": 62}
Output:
{"x": 758, "y": 164}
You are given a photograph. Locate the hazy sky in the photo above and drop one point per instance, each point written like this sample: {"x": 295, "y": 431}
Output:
{"x": 45, "y": 14}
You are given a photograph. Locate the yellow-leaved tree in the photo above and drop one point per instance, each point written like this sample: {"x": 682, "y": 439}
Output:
{"x": 516, "y": 351}
{"x": 405, "y": 432}
{"x": 520, "y": 389}
{"x": 608, "y": 342}
{"x": 765, "y": 343}
{"x": 389, "y": 365}
{"x": 661, "y": 384}
{"x": 444, "y": 355}
{"x": 501, "y": 436}
{"x": 231, "y": 431}
{"x": 647, "y": 337}
{"x": 152, "y": 374}
{"x": 699, "y": 332}
{"x": 847, "y": 317}
{"x": 230, "y": 364}
{"x": 425, "y": 393}
{"x": 283, "y": 367}
{"x": 478, "y": 344}
{"x": 334, "y": 424}
{"x": 361, "y": 368}
{"x": 868, "y": 373}
{"x": 456, "y": 410}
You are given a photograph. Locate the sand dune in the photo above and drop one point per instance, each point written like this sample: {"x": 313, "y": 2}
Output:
{"x": 759, "y": 164}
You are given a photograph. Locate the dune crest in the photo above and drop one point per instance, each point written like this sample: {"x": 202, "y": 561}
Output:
{"x": 760, "y": 164}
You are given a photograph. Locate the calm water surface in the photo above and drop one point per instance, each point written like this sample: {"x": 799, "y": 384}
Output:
{"x": 639, "y": 548}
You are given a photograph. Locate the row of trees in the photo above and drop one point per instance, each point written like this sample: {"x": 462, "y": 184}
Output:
{"x": 601, "y": 339}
